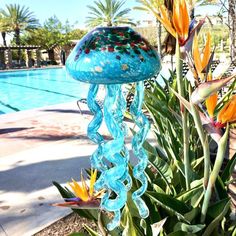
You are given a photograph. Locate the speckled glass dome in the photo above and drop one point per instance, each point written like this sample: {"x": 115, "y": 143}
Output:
{"x": 113, "y": 55}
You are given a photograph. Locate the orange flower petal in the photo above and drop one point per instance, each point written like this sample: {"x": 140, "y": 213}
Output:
{"x": 211, "y": 103}
{"x": 164, "y": 19}
{"x": 177, "y": 19}
{"x": 207, "y": 52}
{"x": 92, "y": 181}
{"x": 84, "y": 188}
{"x": 196, "y": 56}
{"x": 185, "y": 15}
{"x": 77, "y": 189}
{"x": 228, "y": 112}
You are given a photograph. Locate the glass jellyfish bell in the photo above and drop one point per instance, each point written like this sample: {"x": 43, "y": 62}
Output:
{"x": 113, "y": 56}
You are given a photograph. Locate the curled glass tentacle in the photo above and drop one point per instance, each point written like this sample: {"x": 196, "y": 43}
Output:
{"x": 113, "y": 178}
{"x": 94, "y": 125}
{"x": 121, "y": 102}
{"x": 137, "y": 145}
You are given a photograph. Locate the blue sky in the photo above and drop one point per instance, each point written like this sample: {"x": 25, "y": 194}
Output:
{"x": 75, "y": 10}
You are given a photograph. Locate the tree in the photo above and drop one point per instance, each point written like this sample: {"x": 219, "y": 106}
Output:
{"x": 54, "y": 34}
{"x": 3, "y": 28}
{"x": 229, "y": 7}
{"x": 19, "y": 18}
{"x": 109, "y": 13}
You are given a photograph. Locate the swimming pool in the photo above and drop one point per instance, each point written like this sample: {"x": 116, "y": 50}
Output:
{"x": 24, "y": 90}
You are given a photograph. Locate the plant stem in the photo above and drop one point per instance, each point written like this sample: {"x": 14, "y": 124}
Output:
{"x": 180, "y": 85}
{"x": 100, "y": 224}
{"x": 215, "y": 172}
{"x": 204, "y": 142}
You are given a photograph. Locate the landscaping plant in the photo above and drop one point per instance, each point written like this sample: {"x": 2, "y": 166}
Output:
{"x": 189, "y": 168}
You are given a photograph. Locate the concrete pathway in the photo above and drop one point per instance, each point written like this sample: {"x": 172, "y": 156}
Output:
{"x": 37, "y": 147}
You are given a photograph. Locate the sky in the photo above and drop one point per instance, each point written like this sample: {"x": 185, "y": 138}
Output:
{"x": 76, "y": 10}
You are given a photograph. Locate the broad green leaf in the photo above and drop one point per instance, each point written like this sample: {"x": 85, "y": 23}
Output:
{"x": 158, "y": 189}
{"x": 106, "y": 220}
{"x": 78, "y": 234}
{"x": 162, "y": 167}
{"x": 188, "y": 228}
{"x": 190, "y": 216}
{"x": 149, "y": 148}
{"x": 216, "y": 222}
{"x": 169, "y": 203}
{"x": 196, "y": 183}
{"x": 146, "y": 226}
{"x": 64, "y": 192}
{"x": 131, "y": 206}
{"x": 188, "y": 195}
{"x": 129, "y": 228}
{"x": 181, "y": 233}
{"x": 228, "y": 170}
{"x": 221, "y": 188}
{"x": 192, "y": 174}
{"x": 91, "y": 231}
{"x": 215, "y": 209}
{"x": 197, "y": 162}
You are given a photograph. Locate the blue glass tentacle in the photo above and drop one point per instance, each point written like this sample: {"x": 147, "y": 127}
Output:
{"x": 94, "y": 125}
{"x": 113, "y": 178}
{"x": 138, "y": 172}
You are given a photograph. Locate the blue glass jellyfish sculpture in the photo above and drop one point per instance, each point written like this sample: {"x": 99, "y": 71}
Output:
{"x": 113, "y": 56}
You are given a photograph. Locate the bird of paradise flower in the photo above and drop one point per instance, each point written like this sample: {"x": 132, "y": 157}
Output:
{"x": 177, "y": 21}
{"x": 85, "y": 196}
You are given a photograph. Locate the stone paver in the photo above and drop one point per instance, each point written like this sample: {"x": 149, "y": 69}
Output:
{"x": 37, "y": 147}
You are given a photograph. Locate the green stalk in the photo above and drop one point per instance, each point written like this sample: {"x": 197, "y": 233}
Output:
{"x": 204, "y": 141}
{"x": 100, "y": 224}
{"x": 215, "y": 172}
{"x": 180, "y": 85}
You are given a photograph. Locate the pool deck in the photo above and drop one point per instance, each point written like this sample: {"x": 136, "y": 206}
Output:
{"x": 31, "y": 68}
{"x": 37, "y": 147}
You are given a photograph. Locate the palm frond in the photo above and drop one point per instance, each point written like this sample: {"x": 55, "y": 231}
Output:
{"x": 108, "y": 12}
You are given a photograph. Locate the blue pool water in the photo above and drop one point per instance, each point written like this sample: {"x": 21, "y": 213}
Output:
{"x": 24, "y": 90}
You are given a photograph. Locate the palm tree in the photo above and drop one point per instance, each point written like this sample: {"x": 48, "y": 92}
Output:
{"x": 108, "y": 13}
{"x": 3, "y": 28}
{"x": 19, "y": 18}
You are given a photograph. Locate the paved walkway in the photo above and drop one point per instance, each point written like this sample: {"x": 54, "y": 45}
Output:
{"x": 37, "y": 147}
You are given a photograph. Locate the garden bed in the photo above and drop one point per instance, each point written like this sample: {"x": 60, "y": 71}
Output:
{"x": 66, "y": 226}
